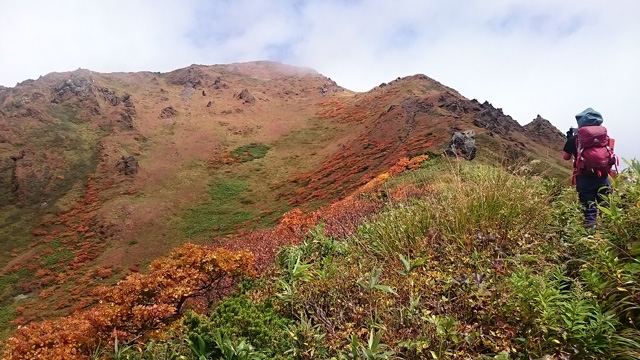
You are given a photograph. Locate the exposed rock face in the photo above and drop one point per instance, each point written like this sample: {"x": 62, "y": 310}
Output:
{"x": 128, "y": 165}
{"x": 542, "y": 129}
{"x": 247, "y": 97}
{"x": 494, "y": 119}
{"x": 463, "y": 144}
{"x": 168, "y": 112}
{"x": 110, "y": 96}
{"x": 192, "y": 77}
{"x": 124, "y": 103}
{"x": 4, "y": 93}
{"x": 126, "y": 120}
{"x": 78, "y": 85}
{"x": 31, "y": 175}
{"x": 218, "y": 84}
{"x": 128, "y": 102}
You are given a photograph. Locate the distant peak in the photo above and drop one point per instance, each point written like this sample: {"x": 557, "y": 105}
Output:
{"x": 421, "y": 82}
{"x": 540, "y": 120}
{"x": 542, "y": 128}
{"x": 417, "y": 78}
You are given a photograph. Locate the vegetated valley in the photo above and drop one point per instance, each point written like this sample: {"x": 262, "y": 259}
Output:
{"x": 261, "y": 211}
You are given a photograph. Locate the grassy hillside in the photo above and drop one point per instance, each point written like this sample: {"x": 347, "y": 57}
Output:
{"x": 210, "y": 165}
{"x": 101, "y": 174}
{"x": 460, "y": 261}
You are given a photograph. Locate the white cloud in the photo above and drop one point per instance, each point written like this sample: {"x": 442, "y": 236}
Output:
{"x": 44, "y": 36}
{"x": 546, "y": 57}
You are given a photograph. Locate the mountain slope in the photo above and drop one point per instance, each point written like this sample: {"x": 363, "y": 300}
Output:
{"x": 417, "y": 115}
{"x": 101, "y": 173}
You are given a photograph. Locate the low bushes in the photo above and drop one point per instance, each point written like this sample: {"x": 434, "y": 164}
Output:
{"x": 136, "y": 306}
{"x": 483, "y": 265}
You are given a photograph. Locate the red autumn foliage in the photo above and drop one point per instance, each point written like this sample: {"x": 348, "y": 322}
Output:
{"x": 76, "y": 229}
{"x": 39, "y": 232}
{"x": 408, "y": 164}
{"x": 391, "y": 134}
{"x": 340, "y": 220}
{"x": 135, "y": 306}
{"x": 104, "y": 272}
{"x": 42, "y": 272}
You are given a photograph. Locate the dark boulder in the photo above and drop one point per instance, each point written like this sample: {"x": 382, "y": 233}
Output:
{"x": 128, "y": 165}
{"x": 127, "y": 100}
{"x": 247, "y": 97}
{"x": 126, "y": 121}
{"x": 463, "y": 144}
{"x": 218, "y": 84}
{"x": 168, "y": 112}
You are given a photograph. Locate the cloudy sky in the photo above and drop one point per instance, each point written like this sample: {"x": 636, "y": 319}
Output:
{"x": 548, "y": 57}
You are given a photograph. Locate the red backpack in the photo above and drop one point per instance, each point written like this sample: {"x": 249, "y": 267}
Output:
{"x": 595, "y": 151}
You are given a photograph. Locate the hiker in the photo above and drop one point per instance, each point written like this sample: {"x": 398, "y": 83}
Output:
{"x": 592, "y": 151}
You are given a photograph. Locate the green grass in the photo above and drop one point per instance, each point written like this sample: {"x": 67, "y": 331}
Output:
{"x": 16, "y": 227}
{"x": 49, "y": 190}
{"x": 250, "y": 152}
{"x": 313, "y": 136}
{"x": 249, "y": 190}
{"x": 222, "y": 212}
{"x": 8, "y": 282}
{"x": 60, "y": 251}
{"x": 64, "y": 113}
{"x": 9, "y": 289}
{"x": 544, "y": 163}
{"x": 226, "y": 191}
{"x": 7, "y": 313}
{"x": 69, "y": 138}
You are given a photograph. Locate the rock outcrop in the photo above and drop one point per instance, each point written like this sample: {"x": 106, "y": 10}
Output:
{"x": 463, "y": 144}
{"x": 494, "y": 119}
{"x": 78, "y": 85}
{"x": 541, "y": 129}
{"x": 218, "y": 84}
{"x": 168, "y": 112}
{"x": 128, "y": 165}
{"x": 193, "y": 77}
{"x": 247, "y": 98}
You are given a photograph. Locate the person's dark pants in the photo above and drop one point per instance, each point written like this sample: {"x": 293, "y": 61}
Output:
{"x": 591, "y": 190}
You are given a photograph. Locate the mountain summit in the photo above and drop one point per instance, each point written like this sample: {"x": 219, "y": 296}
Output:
{"x": 541, "y": 129}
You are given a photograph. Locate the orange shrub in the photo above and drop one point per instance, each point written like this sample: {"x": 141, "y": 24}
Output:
{"x": 135, "y": 306}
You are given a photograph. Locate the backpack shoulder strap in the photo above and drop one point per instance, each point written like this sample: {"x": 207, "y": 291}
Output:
{"x": 576, "y": 163}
